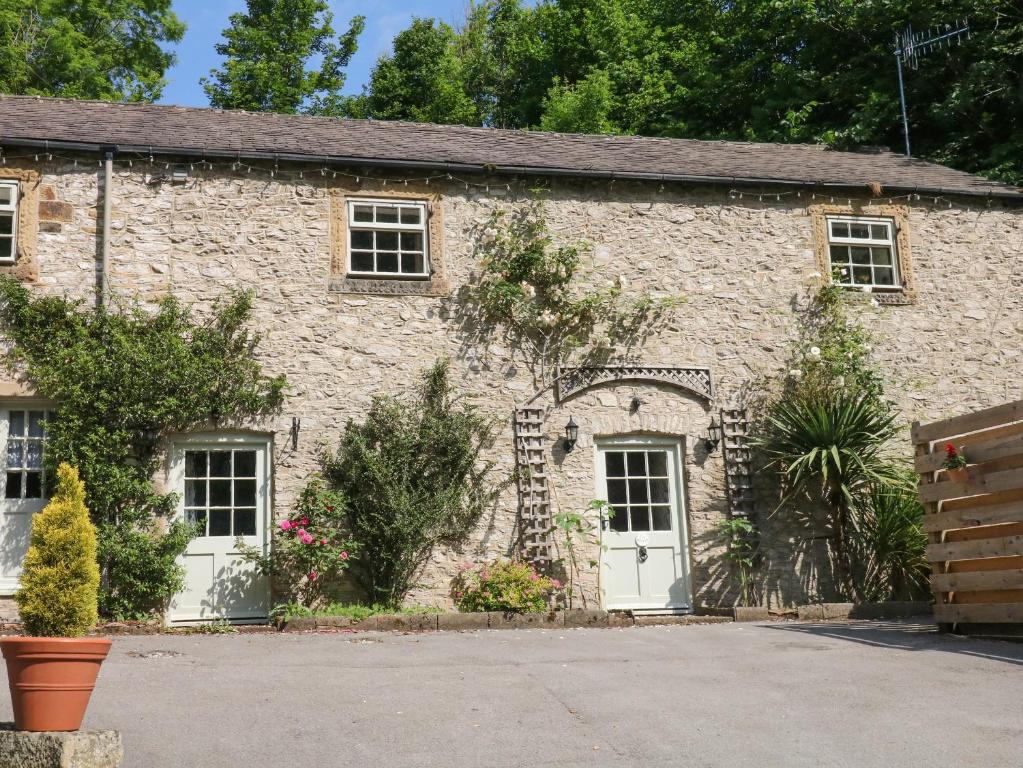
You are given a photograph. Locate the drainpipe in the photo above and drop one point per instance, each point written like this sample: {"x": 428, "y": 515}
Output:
{"x": 108, "y": 177}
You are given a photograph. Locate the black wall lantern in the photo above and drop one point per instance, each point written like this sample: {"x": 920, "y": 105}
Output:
{"x": 571, "y": 434}
{"x": 713, "y": 438}
{"x": 296, "y": 426}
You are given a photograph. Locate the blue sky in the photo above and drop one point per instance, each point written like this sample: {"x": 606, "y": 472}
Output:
{"x": 206, "y": 20}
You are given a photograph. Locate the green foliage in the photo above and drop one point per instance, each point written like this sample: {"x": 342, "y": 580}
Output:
{"x": 577, "y": 528}
{"x": 763, "y": 70}
{"x": 311, "y": 550}
{"x": 354, "y": 611}
{"x": 528, "y": 291}
{"x": 87, "y": 50}
{"x": 503, "y": 586}
{"x": 267, "y": 51}
{"x": 889, "y": 547}
{"x": 125, "y": 381}
{"x": 741, "y": 536}
{"x": 60, "y": 578}
{"x": 413, "y": 476}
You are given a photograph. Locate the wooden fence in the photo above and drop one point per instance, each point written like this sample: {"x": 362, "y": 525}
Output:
{"x": 975, "y": 527}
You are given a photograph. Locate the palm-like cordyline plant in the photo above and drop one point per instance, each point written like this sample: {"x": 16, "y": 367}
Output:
{"x": 890, "y": 548}
{"x": 837, "y": 442}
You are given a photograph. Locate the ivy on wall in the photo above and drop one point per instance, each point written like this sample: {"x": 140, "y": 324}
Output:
{"x": 123, "y": 382}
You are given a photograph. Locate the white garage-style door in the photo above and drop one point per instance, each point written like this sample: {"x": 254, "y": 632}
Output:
{"x": 223, "y": 485}
{"x": 644, "y": 556}
{"x": 22, "y": 486}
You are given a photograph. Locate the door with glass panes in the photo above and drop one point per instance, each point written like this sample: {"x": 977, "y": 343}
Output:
{"x": 644, "y": 558}
{"x": 22, "y": 486}
{"x": 224, "y": 491}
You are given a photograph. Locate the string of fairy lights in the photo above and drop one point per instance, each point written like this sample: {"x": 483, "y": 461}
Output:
{"x": 152, "y": 164}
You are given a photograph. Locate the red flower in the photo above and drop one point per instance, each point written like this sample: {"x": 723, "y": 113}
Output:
{"x": 950, "y": 450}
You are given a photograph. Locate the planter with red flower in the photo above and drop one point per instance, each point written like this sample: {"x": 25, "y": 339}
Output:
{"x": 311, "y": 550}
{"x": 955, "y": 464}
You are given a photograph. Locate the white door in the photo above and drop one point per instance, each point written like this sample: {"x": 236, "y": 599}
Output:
{"x": 21, "y": 487}
{"x": 224, "y": 489}
{"x": 644, "y": 556}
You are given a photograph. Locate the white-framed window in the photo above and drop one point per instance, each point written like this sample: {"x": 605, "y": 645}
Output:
{"x": 220, "y": 491}
{"x": 863, "y": 252}
{"x": 388, "y": 238}
{"x": 26, "y": 438}
{"x": 8, "y": 221}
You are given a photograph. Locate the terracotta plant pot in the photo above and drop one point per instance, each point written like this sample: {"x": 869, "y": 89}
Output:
{"x": 961, "y": 475}
{"x": 51, "y": 679}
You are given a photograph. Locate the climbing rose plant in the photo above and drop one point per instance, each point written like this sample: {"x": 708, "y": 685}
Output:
{"x": 124, "y": 381}
{"x": 503, "y": 586}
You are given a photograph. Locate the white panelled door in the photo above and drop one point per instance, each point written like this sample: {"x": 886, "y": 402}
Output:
{"x": 644, "y": 559}
{"x": 22, "y": 486}
{"x": 223, "y": 484}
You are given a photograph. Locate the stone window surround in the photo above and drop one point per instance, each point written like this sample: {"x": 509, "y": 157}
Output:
{"x": 899, "y": 215}
{"x": 341, "y": 282}
{"x": 26, "y": 262}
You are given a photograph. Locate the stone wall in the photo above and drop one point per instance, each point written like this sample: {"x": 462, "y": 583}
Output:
{"x": 742, "y": 266}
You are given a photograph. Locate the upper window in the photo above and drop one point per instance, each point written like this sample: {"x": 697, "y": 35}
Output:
{"x": 862, "y": 252}
{"x": 387, "y": 239}
{"x": 8, "y": 221}
{"x": 25, "y": 439}
{"x": 220, "y": 491}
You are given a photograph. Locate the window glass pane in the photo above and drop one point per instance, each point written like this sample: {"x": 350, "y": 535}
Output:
{"x": 638, "y": 492}
{"x": 412, "y": 264}
{"x": 412, "y": 241}
{"x": 839, "y": 229}
{"x": 659, "y": 491}
{"x": 616, "y": 491}
{"x": 245, "y": 493}
{"x": 6, "y": 223}
{"x": 362, "y": 239}
{"x": 6, "y": 194}
{"x": 195, "y": 463}
{"x": 34, "y": 454}
{"x": 387, "y": 262}
{"x": 662, "y": 518}
{"x": 884, "y": 276}
{"x": 13, "y": 490}
{"x": 411, "y": 215}
{"x": 363, "y": 213}
{"x": 35, "y": 423}
{"x": 640, "y": 517}
{"x": 33, "y": 485}
{"x": 220, "y": 493}
{"x": 860, "y": 255}
{"x": 195, "y": 493}
{"x": 619, "y": 519}
{"x": 859, "y": 230}
{"x": 220, "y": 463}
{"x": 614, "y": 464}
{"x": 14, "y": 453}
{"x": 387, "y": 214}
{"x": 881, "y": 255}
{"x": 637, "y": 464}
{"x": 244, "y": 463}
{"x": 194, "y": 516}
{"x": 220, "y": 522}
{"x": 387, "y": 241}
{"x": 658, "y": 461}
{"x": 861, "y": 276}
{"x": 362, "y": 261}
{"x": 879, "y": 231}
{"x": 17, "y": 426}
{"x": 6, "y": 248}
{"x": 245, "y": 522}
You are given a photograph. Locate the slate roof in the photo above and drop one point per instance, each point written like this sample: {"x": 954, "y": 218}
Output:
{"x": 70, "y": 124}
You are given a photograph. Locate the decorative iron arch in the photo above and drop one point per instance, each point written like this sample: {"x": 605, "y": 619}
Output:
{"x": 695, "y": 380}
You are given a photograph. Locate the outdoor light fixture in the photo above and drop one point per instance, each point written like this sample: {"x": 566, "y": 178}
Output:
{"x": 713, "y": 438}
{"x": 296, "y": 425}
{"x": 571, "y": 434}
{"x": 180, "y": 174}
{"x": 635, "y": 405}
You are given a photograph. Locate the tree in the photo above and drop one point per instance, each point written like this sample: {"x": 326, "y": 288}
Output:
{"x": 87, "y": 50}
{"x": 267, "y": 51}
{"x": 582, "y": 108}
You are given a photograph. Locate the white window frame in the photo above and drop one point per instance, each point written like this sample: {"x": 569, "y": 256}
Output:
{"x": 423, "y": 228}
{"x": 11, "y": 209}
{"x": 25, "y": 438}
{"x": 891, "y": 243}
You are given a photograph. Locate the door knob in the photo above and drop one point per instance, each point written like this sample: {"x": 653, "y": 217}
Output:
{"x": 642, "y": 554}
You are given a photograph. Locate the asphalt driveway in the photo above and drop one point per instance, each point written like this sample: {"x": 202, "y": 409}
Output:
{"x": 786, "y": 694}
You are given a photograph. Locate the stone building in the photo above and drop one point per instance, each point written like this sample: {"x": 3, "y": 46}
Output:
{"x": 356, "y": 238}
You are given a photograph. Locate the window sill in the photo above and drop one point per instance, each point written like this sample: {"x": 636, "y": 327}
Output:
{"x": 886, "y": 298}
{"x": 388, "y": 286}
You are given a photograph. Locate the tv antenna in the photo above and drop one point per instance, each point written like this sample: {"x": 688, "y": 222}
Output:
{"x": 910, "y": 46}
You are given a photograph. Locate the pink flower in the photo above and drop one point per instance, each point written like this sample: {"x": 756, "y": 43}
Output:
{"x": 304, "y": 521}
{"x": 323, "y": 541}
{"x": 534, "y": 576}
{"x": 556, "y": 584}
{"x": 465, "y": 566}
{"x": 344, "y": 555}
{"x": 313, "y": 575}
{"x": 306, "y": 538}
{"x": 285, "y": 525}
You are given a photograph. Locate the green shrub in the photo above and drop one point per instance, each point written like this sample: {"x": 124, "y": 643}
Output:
{"x": 60, "y": 578}
{"x": 889, "y": 547}
{"x": 503, "y": 586}
{"x": 353, "y": 611}
{"x": 412, "y": 477}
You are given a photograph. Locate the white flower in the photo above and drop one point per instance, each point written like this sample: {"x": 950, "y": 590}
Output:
{"x": 844, "y": 271}
{"x": 815, "y": 351}
{"x": 795, "y": 373}
{"x": 489, "y": 235}
{"x": 815, "y": 275}
{"x": 528, "y": 291}
{"x": 865, "y": 289}
{"x": 547, "y": 318}
{"x": 867, "y": 348}
{"x": 875, "y": 303}
{"x": 840, "y": 381}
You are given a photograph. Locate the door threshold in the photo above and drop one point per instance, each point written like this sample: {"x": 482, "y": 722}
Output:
{"x": 657, "y": 611}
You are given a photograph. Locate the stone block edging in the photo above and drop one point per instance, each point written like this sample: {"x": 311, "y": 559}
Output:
{"x": 74, "y": 749}
{"x": 894, "y": 609}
